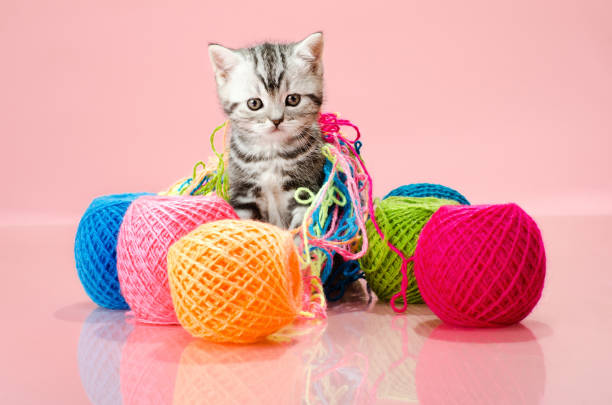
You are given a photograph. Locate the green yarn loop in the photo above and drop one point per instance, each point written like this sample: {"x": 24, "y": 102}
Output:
{"x": 401, "y": 220}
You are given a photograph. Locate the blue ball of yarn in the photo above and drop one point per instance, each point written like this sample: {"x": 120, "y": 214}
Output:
{"x": 428, "y": 190}
{"x": 95, "y": 249}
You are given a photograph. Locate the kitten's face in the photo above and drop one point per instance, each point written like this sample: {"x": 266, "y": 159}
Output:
{"x": 270, "y": 92}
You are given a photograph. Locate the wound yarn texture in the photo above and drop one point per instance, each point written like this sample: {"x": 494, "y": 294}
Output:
{"x": 401, "y": 220}
{"x": 481, "y": 265}
{"x": 150, "y": 226}
{"x": 235, "y": 281}
{"x": 95, "y": 247}
{"x": 428, "y": 190}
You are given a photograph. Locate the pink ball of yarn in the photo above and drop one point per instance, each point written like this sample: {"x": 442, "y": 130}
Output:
{"x": 149, "y": 227}
{"x": 480, "y": 266}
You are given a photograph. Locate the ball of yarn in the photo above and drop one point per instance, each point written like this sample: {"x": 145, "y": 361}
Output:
{"x": 481, "y": 265}
{"x": 150, "y": 226}
{"x": 235, "y": 281}
{"x": 400, "y": 220}
{"x": 428, "y": 190}
{"x": 95, "y": 249}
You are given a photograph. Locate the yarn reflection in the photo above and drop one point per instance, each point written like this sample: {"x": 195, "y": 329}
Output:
{"x": 358, "y": 356}
{"x": 366, "y": 357}
{"x": 379, "y": 357}
{"x": 260, "y": 373}
{"x": 124, "y": 362}
{"x": 149, "y": 363}
{"x": 334, "y": 370}
{"x": 101, "y": 341}
{"x": 480, "y": 366}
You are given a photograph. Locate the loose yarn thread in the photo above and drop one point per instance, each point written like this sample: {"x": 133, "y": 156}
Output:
{"x": 330, "y": 126}
{"x": 211, "y": 177}
{"x": 335, "y": 218}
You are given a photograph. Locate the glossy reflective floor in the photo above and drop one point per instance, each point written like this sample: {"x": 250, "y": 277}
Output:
{"x": 58, "y": 348}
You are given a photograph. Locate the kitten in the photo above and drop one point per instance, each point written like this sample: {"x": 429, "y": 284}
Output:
{"x": 272, "y": 94}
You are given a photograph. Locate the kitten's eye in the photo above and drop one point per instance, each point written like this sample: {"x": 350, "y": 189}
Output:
{"x": 293, "y": 100}
{"x": 254, "y": 103}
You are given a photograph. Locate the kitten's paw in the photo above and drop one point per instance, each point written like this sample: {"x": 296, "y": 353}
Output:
{"x": 246, "y": 209}
{"x": 297, "y": 217}
{"x": 245, "y": 213}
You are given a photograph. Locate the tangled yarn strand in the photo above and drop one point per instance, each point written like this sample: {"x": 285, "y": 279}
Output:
{"x": 331, "y": 126}
{"x": 335, "y": 218}
{"x": 340, "y": 164}
{"x": 405, "y": 261}
{"x": 210, "y": 178}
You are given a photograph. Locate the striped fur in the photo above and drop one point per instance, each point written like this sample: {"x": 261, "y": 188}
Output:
{"x": 277, "y": 148}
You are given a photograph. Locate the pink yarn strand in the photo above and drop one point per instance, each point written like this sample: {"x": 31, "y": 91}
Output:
{"x": 330, "y": 125}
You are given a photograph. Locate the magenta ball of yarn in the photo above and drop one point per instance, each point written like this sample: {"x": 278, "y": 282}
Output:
{"x": 481, "y": 266}
{"x": 149, "y": 227}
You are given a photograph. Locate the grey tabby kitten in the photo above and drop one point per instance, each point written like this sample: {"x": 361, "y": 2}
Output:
{"x": 272, "y": 94}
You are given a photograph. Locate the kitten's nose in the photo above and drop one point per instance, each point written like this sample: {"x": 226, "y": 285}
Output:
{"x": 277, "y": 121}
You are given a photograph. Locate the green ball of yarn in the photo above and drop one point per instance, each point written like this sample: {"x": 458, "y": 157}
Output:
{"x": 401, "y": 220}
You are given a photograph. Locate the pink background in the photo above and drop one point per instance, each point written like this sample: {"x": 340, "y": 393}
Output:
{"x": 505, "y": 102}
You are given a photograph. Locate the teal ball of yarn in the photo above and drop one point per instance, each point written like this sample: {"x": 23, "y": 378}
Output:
{"x": 95, "y": 249}
{"x": 428, "y": 190}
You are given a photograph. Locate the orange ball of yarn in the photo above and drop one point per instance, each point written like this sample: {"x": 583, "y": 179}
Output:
{"x": 235, "y": 281}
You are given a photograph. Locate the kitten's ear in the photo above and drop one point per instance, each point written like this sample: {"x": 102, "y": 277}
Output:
{"x": 223, "y": 60}
{"x": 311, "y": 48}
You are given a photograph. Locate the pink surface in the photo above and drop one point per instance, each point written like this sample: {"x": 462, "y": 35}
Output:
{"x": 59, "y": 348}
{"x": 505, "y": 101}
